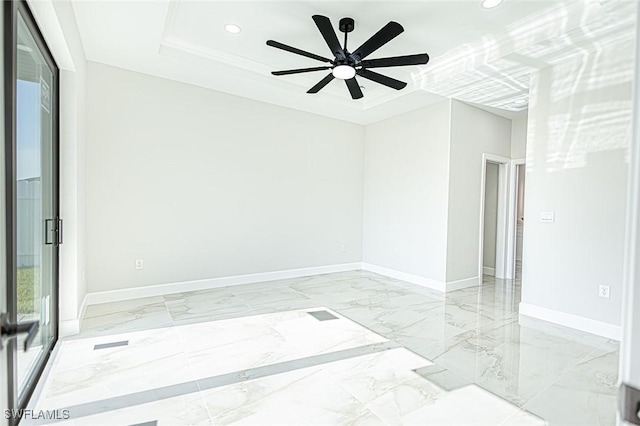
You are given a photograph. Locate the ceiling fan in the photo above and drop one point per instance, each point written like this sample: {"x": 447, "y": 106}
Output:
{"x": 346, "y": 65}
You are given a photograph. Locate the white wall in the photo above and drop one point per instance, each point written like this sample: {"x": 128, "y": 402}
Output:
{"x": 629, "y": 367}
{"x": 57, "y": 23}
{"x": 518, "y": 138}
{"x": 405, "y": 189}
{"x": 473, "y": 132}
{"x": 577, "y": 162}
{"x": 201, "y": 184}
{"x": 490, "y": 216}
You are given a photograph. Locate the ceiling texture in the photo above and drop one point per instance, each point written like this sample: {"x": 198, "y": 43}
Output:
{"x": 480, "y": 56}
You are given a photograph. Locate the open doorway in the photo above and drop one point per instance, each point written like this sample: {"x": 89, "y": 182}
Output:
{"x": 492, "y": 173}
{"x": 494, "y": 209}
{"x": 516, "y": 219}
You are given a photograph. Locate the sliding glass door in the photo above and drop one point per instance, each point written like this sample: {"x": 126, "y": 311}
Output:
{"x": 33, "y": 224}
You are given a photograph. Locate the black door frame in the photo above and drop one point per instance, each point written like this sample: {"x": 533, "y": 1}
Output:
{"x": 11, "y": 11}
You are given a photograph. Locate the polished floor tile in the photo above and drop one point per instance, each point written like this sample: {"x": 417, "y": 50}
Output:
{"x": 152, "y": 359}
{"x": 589, "y": 388}
{"x": 396, "y": 354}
{"x": 129, "y": 315}
{"x": 306, "y": 396}
{"x": 189, "y": 409}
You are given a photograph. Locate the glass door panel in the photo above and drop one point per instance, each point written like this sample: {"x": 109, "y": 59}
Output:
{"x": 35, "y": 200}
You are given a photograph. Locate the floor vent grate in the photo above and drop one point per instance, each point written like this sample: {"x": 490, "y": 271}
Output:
{"x": 111, "y": 345}
{"x": 323, "y": 315}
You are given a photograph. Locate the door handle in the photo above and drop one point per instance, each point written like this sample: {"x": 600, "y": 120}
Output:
{"x": 9, "y": 330}
{"x": 59, "y": 230}
{"x": 47, "y": 231}
{"x": 53, "y": 228}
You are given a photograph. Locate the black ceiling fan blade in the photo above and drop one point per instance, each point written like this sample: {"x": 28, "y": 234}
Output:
{"x": 379, "y": 39}
{"x": 321, "y": 84}
{"x": 396, "y": 61}
{"x": 329, "y": 34}
{"x": 299, "y": 70}
{"x": 382, "y": 79}
{"x": 297, "y": 51}
{"x": 354, "y": 88}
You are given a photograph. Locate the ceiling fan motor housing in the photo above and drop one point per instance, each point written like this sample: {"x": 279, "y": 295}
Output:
{"x": 347, "y": 25}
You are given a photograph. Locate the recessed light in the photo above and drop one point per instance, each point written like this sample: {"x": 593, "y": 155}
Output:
{"x": 344, "y": 72}
{"x": 520, "y": 102}
{"x": 489, "y": 4}
{"x": 232, "y": 28}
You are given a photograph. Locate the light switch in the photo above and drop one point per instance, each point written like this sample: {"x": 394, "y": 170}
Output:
{"x": 547, "y": 217}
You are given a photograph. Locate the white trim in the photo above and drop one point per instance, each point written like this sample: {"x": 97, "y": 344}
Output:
{"x": 465, "y": 283}
{"x": 501, "y": 228}
{"x": 46, "y": 16}
{"x": 72, "y": 326}
{"x": 69, "y": 327}
{"x": 177, "y": 43}
{"x": 410, "y": 278}
{"x": 588, "y": 325}
{"x": 422, "y": 281}
{"x": 510, "y": 262}
{"x": 180, "y": 287}
{"x": 501, "y": 225}
{"x": 486, "y": 270}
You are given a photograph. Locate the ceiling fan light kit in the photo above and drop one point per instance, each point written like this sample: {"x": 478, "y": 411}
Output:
{"x": 490, "y": 4}
{"x": 343, "y": 72}
{"x": 233, "y": 28}
{"x": 346, "y": 65}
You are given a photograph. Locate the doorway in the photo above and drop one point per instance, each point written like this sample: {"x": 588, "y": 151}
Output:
{"x": 519, "y": 177}
{"x": 516, "y": 219}
{"x": 493, "y": 216}
{"x": 491, "y": 187}
{"x": 33, "y": 226}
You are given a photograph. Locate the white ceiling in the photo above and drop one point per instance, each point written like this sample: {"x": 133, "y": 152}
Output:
{"x": 479, "y": 56}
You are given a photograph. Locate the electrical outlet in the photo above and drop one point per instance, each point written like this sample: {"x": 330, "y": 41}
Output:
{"x": 603, "y": 291}
{"x": 139, "y": 264}
{"x": 343, "y": 248}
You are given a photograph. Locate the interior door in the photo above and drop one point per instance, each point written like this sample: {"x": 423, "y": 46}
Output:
{"x": 33, "y": 224}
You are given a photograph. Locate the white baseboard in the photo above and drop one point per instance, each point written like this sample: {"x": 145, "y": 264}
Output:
{"x": 489, "y": 271}
{"x": 460, "y": 284}
{"x": 72, "y": 326}
{"x": 413, "y": 279}
{"x": 588, "y": 325}
{"x": 69, "y": 327}
{"x": 181, "y": 287}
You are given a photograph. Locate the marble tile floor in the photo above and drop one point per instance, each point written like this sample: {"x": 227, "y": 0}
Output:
{"x": 397, "y": 354}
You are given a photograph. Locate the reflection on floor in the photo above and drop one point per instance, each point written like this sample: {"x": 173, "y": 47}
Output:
{"x": 394, "y": 354}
